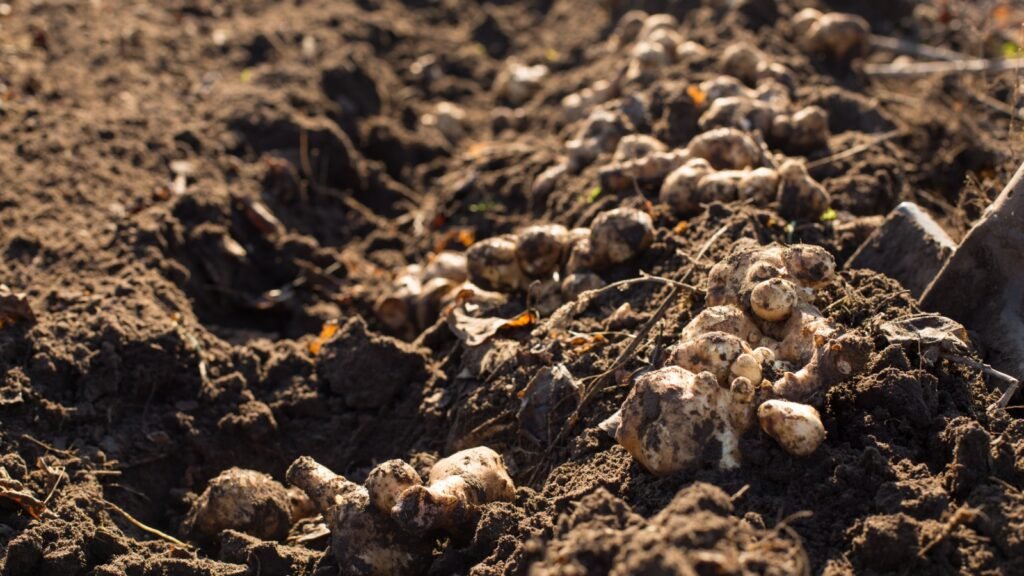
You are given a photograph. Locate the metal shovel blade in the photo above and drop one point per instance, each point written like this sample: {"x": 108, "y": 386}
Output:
{"x": 982, "y": 283}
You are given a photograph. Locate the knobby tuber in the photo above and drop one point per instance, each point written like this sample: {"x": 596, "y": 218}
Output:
{"x": 457, "y": 486}
{"x": 365, "y": 541}
{"x": 247, "y": 501}
{"x": 674, "y": 419}
{"x": 796, "y": 427}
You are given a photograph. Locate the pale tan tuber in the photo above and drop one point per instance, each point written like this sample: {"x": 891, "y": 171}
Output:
{"x": 446, "y": 264}
{"x": 759, "y": 186}
{"x": 742, "y": 61}
{"x": 637, "y": 146}
{"x": 518, "y": 82}
{"x": 835, "y": 34}
{"x": 726, "y": 148}
{"x": 619, "y": 235}
{"x": 243, "y": 500}
{"x": 457, "y": 486}
{"x": 579, "y": 282}
{"x": 388, "y": 480}
{"x": 540, "y": 249}
{"x": 728, "y": 319}
{"x": 493, "y": 265}
{"x": 674, "y": 420}
{"x": 773, "y": 299}
{"x": 365, "y": 541}
{"x": 724, "y": 355}
{"x": 796, "y": 427}
{"x": 679, "y": 189}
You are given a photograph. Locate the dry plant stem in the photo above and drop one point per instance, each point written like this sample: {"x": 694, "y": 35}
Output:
{"x": 850, "y": 152}
{"x": 145, "y": 528}
{"x": 1008, "y": 394}
{"x": 909, "y": 48}
{"x": 600, "y": 380}
{"x": 971, "y": 66}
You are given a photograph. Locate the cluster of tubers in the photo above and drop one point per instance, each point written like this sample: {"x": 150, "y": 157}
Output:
{"x": 760, "y": 318}
{"x": 546, "y": 255}
{"x": 545, "y": 260}
{"x": 390, "y": 525}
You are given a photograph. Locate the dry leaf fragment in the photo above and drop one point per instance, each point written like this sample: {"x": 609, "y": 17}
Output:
{"x": 475, "y": 331}
{"x": 328, "y": 331}
{"x": 13, "y": 490}
{"x": 14, "y": 307}
{"x": 933, "y": 333}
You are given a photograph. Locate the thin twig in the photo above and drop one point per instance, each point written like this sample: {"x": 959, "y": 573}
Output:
{"x": 45, "y": 446}
{"x": 910, "y": 48}
{"x": 850, "y": 152}
{"x": 149, "y": 529}
{"x": 970, "y": 66}
{"x": 1008, "y": 394}
{"x": 53, "y": 490}
{"x": 600, "y": 380}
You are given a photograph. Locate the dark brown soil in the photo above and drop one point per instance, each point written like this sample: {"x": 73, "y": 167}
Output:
{"x": 174, "y": 322}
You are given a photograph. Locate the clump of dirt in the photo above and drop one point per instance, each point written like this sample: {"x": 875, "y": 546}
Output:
{"x": 204, "y": 203}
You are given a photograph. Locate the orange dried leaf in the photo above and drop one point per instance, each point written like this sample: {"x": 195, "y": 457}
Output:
{"x": 696, "y": 94}
{"x": 326, "y": 333}
{"x": 475, "y": 331}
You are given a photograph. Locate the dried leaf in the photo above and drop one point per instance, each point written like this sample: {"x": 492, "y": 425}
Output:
{"x": 326, "y": 333}
{"x": 696, "y": 94}
{"x": 13, "y": 490}
{"x": 932, "y": 332}
{"x": 475, "y": 331}
{"x": 14, "y": 307}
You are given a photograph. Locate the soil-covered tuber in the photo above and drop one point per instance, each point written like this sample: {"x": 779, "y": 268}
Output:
{"x": 619, "y": 235}
{"x": 365, "y": 541}
{"x": 674, "y": 419}
{"x": 493, "y": 264}
{"x": 243, "y": 500}
{"x": 457, "y": 485}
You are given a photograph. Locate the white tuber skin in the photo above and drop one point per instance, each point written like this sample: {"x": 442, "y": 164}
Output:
{"x": 728, "y": 319}
{"x": 518, "y": 82}
{"x": 365, "y": 541}
{"x": 674, "y": 419}
{"x": 539, "y": 249}
{"x": 796, "y": 427}
{"x": 724, "y": 355}
{"x": 648, "y": 60}
{"x": 578, "y": 104}
{"x": 835, "y": 34}
{"x": 493, "y": 265}
{"x": 448, "y": 118}
{"x": 457, "y": 485}
{"x": 387, "y": 481}
{"x": 773, "y": 299}
{"x": 690, "y": 50}
{"x": 619, "y": 235}
{"x": 724, "y": 87}
{"x": 726, "y": 148}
